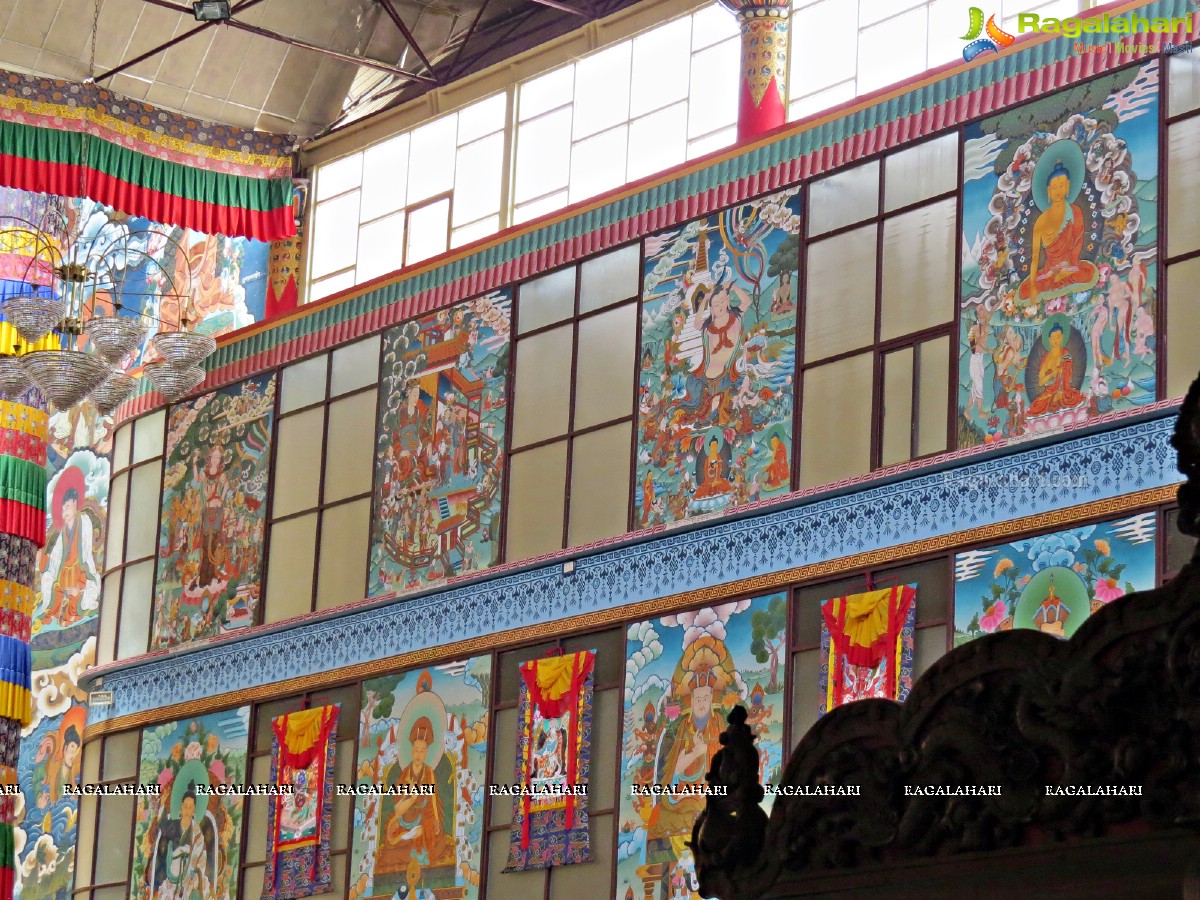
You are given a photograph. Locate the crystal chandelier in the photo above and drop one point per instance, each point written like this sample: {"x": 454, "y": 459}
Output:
{"x": 66, "y": 342}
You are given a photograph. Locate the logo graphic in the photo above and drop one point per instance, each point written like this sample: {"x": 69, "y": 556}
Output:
{"x": 996, "y": 39}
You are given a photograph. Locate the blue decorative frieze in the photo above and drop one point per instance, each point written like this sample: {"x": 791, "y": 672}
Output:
{"x": 1036, "y": 480}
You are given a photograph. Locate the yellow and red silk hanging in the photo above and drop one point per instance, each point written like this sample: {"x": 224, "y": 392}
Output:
{"x": 867, "y": 645}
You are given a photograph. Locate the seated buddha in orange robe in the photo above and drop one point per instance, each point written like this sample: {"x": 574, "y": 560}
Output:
{"x": 715, "y": 483}
{"x": 1054, "y": 375}
{"x": 1056, "y": 245}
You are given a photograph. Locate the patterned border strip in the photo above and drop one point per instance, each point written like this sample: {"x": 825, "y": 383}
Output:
{"x": 759, "y": 584}
{"x": 1080, "y": 470}
{"x": 902, "y": 114}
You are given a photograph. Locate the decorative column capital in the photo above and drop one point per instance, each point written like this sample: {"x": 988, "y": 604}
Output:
{"x": 762, "y": 103}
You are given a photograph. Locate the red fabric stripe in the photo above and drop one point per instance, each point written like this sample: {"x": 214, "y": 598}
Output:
{"x": 67, "y": 179}
{"x": 24, "y": 521}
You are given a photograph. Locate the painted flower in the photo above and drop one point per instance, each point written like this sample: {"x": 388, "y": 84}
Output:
{"x": 1057, "y": 305}
{"x": 993, "y": 616}
{"x": 192, "y": 751}
{"x": 1003, "y": 566}
{"x": 1023, "y": 580}
{"x": 177, "y": 752}
{"x": 672, "y": 710}
{"x": 212, "y": 744}
{"x": 165, "y": 777}
{"x": 1078, "y": 567}
{"x": 1031, "y": 312}
{"x": 195, "y": 726}
{"x": 1103, "y": 547}
{"x": 217, "y": 770}
{"x": 1108, "y": 590}
{"x": 994, "y": 422}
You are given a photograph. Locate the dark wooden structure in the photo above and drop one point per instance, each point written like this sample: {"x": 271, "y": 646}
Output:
{"x": 1115, "y": 707}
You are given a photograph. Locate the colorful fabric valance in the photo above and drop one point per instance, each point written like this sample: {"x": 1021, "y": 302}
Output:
{"x": 73, "y": 140}
{"x": 867, "y": 646}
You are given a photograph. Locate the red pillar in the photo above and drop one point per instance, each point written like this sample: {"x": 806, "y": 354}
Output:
{"x": 762, "y": 98}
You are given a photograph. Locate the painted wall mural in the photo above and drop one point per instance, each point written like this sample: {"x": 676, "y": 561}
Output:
{"x": 426, "y": 727}
{"x": 684, "y": 673}
{"x": 1052, "y": 582}
{"x": 185, "y": 842}
{"x": 210, "y": 541}
{"x": 440, "y": 444}
{"x": 1059, "y": 274}
{"x": 63, "y": 645}
{"x": 718, "y": 358}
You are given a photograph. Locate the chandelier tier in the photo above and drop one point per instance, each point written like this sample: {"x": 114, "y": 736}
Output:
{"x": 35, "y": 317}
{"x": 183, "y": 349}
{"x": 66, "y": 377}
{"x": 113, "y": 391}
{"x": 115, "y": 337}
{"x": 173, "y": 382}
{"x": 13, "y": 378}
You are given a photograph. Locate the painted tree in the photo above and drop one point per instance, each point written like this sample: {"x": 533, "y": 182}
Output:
{"x": 767, "y": 638}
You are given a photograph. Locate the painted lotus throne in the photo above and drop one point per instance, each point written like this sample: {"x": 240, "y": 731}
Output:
{"x": 1115, "y": 707}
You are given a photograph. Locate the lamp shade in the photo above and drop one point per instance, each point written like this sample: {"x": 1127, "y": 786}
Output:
{"x": 65, "y": 376}
{"x": 112, "y": 391}
{"x": 115, "y": 337}
{"x": 13, "y": 378}
{"x": 173, "y": 382}
{"x": 34, "y": 317}
{"x": 183, "y": 349}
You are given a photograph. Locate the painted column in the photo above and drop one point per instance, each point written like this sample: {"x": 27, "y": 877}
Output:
{"x": 23, "y": 436}
{"x": 762, "y": 95}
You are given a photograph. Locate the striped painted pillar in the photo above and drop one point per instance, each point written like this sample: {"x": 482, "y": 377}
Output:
{"x": 762, "y": 89}
{"x": 23, "y": 435}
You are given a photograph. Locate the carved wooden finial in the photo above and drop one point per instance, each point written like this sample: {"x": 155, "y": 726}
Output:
{"x": 1186, "y": 441}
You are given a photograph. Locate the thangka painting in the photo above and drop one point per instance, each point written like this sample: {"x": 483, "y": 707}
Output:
{"x": 718, "y": 354}
{"x": 63, "y": 644}
{"x": 867, "y": 646}
{"x": 439, "y": 460}
{"x": 186, "y": 840}
{"x": 1052, "y": 582}
{"x": 299, "y": 826}
{"x": 427, "y": 729}
{"x": 554, "y": 749}
{"x": 214, "y": 492}
{"x": 683, "y": 675}
{"x": 1059, "y": 274}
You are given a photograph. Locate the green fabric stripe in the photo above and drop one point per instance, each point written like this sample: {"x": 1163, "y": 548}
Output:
{"x": 177, "y": 179}
{"x": 23, "y": 481}
{"x": 727, "y": 171}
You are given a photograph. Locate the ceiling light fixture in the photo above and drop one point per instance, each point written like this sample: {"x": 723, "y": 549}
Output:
{"x": 211, "y": 10}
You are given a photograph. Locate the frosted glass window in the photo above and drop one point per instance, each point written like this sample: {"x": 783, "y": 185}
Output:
{"x": 929, "y": 645}
{"x": 660, "y": 66}
{"x": 540, "y": 207}
{"x": 335, "y": 235}
{"x": 543, "y": 156}
{"x": 460, "y": 237}
{"x": 85, "y": 846}
{"x": 604, "y": 751}
{"x": 304, "y": 383}
{"x": 598, "y": 163}
{"x": 148, "y": 436}
{"x": 338, "y": 177}
{"x": 110, "y": 600}
{"x": 821, "y": 101}
{"x": 604, "y": 366}
{"x": 504, "y": 748}
{"x": 116, "y": 826}
{"x": 806, "y": 674}
{"x": 256, "y": 823}
{"x": 610, "y": 277}
{"x": 482, "y": 117}
{"x": 546, "y": 300}
{"x": 122, "y": 441}
{"x": 144, "y": 512}
{"x": 842, "y": 199}
{"x": 537, "y": 482}
{"x": 350, "y": 455}
{"x": 345, "y": 532}
{"x": 918, "y": 270}
{"x": 657, "y": 141}
{"x": 385, "y": 178}
{"x": 118, "y": 492}
{"x": 542, "y": 395}
{"x": 712, "y": 143}
{"x": 712, "y": 24}
{"x": 918, "y": 173}
{"x": 933, "y": 396}
{"x": 290, "y": 568}
{"x": 298, "y": 444}
{"x": 836, "y": 421}
{"x": 354, "y": 366}
{"x": 893, "y": 50}
{"x": 380, "y": 247}
{"x": 327, "y": 287}
{"x": 120, "y": 756}
{"x": 602, "y": 90}
{"x": 1183, "y": 172}
{"x": 1184, "y": 81}
{"x": 547, "y": 92}
{"x": 252, "y": 881}
{"x": 897, "y": 406}
{"x": 1183, "y": 317}
{"x": 831, "y": 59}
{"x": 599, "y": 485}
{"x": 343, "y": 814}
{"x": 477, "y": 188}
{"x": 428, "y": 231}
{"x": 591, "y": 879}
{"x": 136, "y": 596}
{"x": 714, "y": 90}
{"x": 110, "y": 893}
{"x": 839, "y": 312}
{"x": 872, "y": 11}
{"x": 431, "y": 159}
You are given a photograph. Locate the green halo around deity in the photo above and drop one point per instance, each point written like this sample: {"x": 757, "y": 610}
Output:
{"x": 429, "y": 705}
{"x": 195, "y": 772}
{"x": 1056, "y": 319}
{"x": 1064, "y": 151}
